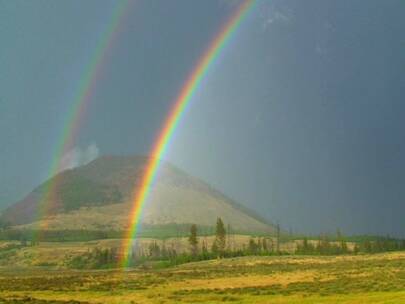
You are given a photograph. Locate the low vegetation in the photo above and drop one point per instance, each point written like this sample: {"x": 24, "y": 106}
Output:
{"x": 377, "y": 278}
{"x": 101, "y": 249}
{"x": 200, "y": 268}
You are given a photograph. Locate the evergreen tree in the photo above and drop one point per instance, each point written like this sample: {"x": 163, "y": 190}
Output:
{"x": 356, "y": 248}
{"x": 252, "y": 246}
{"x": 271, "y": 245}
{"x": 220, "y": 238}
{"x": 305, "y": 246}
{"x": 402, "y": 245}
{"x": 264, "y": 245}
{"x": 323, "y": 245}
{"x": 193, "y": 240}
{"x": 163, "y": 251}
{"x": 367, "y": 246}
{"x": 154, "y": 250}
{"x": 204, "y": 249}
{"x": 214, "y": 248}
{"x": 278, "y": 237}
{"x": 342, "y": 243}
{"x": 23, "y": 241}
{"x": 259, "y": 247}
{"x": 228, "y": 239}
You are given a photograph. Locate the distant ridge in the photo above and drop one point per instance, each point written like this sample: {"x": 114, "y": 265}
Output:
{"x": 97, "y": 196}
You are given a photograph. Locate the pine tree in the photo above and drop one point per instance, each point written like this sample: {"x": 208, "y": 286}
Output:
{"x": 342, "y": 243}
{"x": 204, "y": 249}
{"x": 356, "y": 248}
{"x": 214, "y": 248}
{"x": 164, "y": 250}
{"x": 252, "y": 246}
{"x": 305, "y": 246}
{"x": 220, "y": 238}
{"x": 278, "y": 237}
{"x": 193, "y": 240}
{"x": 367, "y": 246}
{"x": 264, "y": 245}
{"x": 402, "y": 245}
{"x": 324, "y": 246}
{"x": 228, "y": 238}
{"x": 154, "y": 250}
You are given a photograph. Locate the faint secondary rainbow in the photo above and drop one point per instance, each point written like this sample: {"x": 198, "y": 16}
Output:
{"x": 190, "y": 86}
{"x": 76, "y": 113}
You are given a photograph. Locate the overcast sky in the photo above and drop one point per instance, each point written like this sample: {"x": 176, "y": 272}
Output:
{"x": 301, "y": 118}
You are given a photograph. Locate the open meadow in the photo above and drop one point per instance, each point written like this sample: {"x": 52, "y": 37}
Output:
{"x": 377, "y": 278}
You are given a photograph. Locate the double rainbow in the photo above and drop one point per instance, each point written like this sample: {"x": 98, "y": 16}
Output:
{"x": 77, "y": 112}
{"x": 191, "y": 85}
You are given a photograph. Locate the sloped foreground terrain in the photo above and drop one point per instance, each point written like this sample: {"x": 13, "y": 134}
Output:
{"x": 378, "y": 278}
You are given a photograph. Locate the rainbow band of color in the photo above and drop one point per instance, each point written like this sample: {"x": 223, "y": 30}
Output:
{"x": 191, "y": 85}
{"x": 78, "y": 108}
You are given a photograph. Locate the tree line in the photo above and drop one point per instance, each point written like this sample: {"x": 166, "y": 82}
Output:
{"x": 199, "y": 248}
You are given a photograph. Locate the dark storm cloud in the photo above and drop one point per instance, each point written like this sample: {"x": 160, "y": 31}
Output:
{"x": 301, "y": 118}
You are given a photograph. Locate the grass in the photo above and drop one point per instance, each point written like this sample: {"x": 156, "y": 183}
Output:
{"x": 378, "y": 278}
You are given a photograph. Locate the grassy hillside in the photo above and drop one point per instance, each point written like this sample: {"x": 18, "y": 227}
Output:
{"x": 98, "y": 196}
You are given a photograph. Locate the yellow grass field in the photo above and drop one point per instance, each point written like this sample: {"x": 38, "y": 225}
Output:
{"x": 378, "y": 278}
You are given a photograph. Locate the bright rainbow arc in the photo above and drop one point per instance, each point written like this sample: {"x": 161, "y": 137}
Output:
{"x": 188, "y": 90}
{"x": 77, "y": 111}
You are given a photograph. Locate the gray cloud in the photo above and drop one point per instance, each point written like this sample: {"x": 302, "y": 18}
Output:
{"x": 79, "y": 156}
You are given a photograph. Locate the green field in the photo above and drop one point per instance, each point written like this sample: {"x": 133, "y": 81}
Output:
{"x": 377, "y": 278}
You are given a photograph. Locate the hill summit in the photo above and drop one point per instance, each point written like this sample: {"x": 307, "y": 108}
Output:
{"x": 98, "y": 196}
